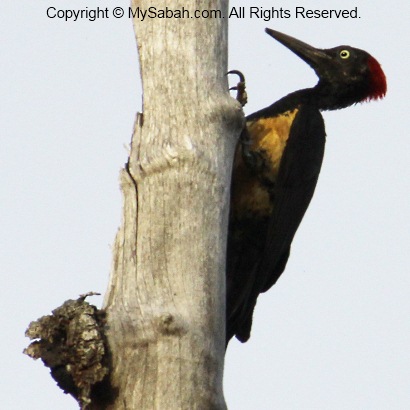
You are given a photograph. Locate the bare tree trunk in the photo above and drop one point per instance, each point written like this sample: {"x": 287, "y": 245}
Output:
{"x": 166, "y": 297}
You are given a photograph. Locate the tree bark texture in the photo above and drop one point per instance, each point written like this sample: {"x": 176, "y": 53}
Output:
{"x": 166, "y": 298}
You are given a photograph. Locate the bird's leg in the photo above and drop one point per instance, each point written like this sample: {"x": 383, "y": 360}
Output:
{"x": 242, "y": 98}
{"x": 240, "y": 88}
{"x": 253, "y": 159}
{"x": 246, "y": 143}
{"x": 252, "y": 156}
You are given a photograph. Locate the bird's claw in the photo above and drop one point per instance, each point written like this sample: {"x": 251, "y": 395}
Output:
{"x": 240, "y": 87}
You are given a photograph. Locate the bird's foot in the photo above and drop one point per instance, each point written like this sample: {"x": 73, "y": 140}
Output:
{"x": 240, "y": 88}
{"x": 253, "y": 158}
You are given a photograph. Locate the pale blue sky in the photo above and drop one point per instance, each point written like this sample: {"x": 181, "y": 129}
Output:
{"x": 334, "y": 333}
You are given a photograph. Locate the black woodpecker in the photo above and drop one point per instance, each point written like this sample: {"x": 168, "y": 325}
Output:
{"x": 276, "y": 168}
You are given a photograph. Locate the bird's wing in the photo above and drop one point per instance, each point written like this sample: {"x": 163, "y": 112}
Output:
{"x": 298, "y": 174}
{"x": 245, "y": 249}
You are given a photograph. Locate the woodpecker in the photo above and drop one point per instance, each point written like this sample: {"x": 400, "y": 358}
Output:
{"x": 276, "y": 168}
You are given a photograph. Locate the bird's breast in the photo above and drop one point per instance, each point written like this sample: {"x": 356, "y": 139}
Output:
{"x": 253, "y": 181}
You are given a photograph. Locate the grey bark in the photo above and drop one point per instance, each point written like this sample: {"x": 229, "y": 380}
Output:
{"x": 165, "y": 302}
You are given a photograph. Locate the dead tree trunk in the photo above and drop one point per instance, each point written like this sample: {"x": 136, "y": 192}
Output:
{"x": 166, "y": 298}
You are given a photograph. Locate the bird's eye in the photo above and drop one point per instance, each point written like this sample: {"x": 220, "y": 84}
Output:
{"x": 344, "y": 54}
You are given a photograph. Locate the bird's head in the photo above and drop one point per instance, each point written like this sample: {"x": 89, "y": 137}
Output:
{"x": 347, "y": 75}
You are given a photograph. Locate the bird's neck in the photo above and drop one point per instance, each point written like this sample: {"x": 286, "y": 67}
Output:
{"x": 325, "y": 97}
{"x": 285, "y": 104}
{"x": 334, "y": 96}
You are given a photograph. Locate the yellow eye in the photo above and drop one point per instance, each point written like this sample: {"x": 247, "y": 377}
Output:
{"x": 344, "y": 54}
